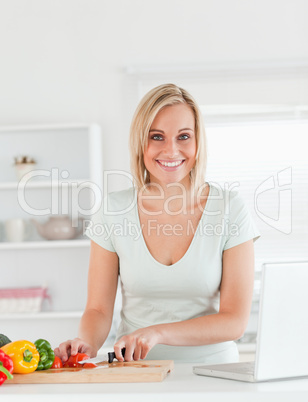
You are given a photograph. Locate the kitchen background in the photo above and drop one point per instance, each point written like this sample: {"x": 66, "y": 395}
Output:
{"x": 72, "y": 73}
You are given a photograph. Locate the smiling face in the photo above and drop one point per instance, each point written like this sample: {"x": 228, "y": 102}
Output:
{"x": 171, "y": 151}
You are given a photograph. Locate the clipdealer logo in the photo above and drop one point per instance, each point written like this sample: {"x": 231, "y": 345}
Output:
{"x": 279, "y": 184}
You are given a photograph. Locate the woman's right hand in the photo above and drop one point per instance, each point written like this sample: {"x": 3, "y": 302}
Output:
{"x": 72, "y": 347}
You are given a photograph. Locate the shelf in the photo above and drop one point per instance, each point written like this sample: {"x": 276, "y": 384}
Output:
{"x": 67, "y": 180}
{"x": 43, "y": 184}
{"x": 42, "y": 315}
{"x": 45, "y": 244}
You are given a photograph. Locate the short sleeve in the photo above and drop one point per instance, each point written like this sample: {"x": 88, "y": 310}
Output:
{"x": 99, "y": 230}
{"x": 241, "y": 226}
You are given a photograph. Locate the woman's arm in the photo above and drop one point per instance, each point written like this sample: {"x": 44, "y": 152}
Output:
{"x": 96, "y": 320}
{"x": 228, "y": 324}
{"x": 103, "y": 274}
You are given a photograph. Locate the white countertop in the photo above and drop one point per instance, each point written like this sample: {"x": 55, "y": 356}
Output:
{"x": 181, "y": 383}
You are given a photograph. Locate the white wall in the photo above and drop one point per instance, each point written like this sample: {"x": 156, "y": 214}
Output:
{"x": 65, "y": 60}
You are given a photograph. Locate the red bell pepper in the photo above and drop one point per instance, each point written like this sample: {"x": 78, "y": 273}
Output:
{"x": 89, "y": 365}
{"x": 6, "y": 367}
{"x": 57, "y": 363}
{"x": 76, "y": 360}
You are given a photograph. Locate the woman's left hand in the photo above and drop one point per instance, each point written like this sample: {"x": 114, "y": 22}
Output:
{"x": 137, "y": 344}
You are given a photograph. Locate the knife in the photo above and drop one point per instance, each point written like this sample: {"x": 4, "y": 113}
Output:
{"x": 109, "y": 357}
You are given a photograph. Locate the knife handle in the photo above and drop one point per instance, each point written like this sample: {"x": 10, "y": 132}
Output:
{"x": 112, "y": 356}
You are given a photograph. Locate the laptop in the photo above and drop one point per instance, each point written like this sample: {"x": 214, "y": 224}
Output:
{"x": 282, "y": 335}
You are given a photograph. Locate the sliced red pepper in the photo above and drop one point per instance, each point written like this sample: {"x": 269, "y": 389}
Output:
{"x": 57, "y": 363}
{"x": 76, "y": 360}
{"x": 89, "y": 365}
{"x": 6, "y": 367}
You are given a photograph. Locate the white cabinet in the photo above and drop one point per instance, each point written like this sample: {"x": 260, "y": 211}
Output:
{"x": 67, "y": 179}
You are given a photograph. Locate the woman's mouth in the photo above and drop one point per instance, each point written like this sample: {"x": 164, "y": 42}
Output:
{"x": 170, "y": 165}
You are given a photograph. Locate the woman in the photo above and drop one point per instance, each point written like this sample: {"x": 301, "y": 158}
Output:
{"x": 185, "y": 253}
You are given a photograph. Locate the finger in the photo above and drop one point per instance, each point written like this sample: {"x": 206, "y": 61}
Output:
{"x": 118, "y": 350}
{"x": 138, "y": 350}
{"x": 75, "y": 346}
{"x": 129, "y": 350}
{"x": 66, "y": 353}
{"x": 64, "y": 350}
{"x": 145, "y": 351}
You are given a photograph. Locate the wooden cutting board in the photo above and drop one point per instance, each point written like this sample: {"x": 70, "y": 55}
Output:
{"x": 136, "y": 371}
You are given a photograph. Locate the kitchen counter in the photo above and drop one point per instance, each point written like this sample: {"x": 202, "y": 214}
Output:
{"x": 181, "y": 384}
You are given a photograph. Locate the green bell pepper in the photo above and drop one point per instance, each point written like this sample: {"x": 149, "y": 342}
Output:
{"x": 47, "y": 355}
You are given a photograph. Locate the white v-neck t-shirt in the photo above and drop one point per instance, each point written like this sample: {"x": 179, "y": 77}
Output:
{"x": 153, "y": 293}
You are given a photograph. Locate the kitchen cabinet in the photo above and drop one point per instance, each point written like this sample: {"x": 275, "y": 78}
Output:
{"x": 67, "y": 179}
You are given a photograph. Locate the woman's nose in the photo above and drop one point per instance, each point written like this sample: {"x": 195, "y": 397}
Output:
{"x": 171, "y": 149}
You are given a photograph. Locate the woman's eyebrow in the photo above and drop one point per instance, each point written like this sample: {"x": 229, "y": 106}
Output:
{"x": 185, "y": 129}
{"x": 161, "y": 131}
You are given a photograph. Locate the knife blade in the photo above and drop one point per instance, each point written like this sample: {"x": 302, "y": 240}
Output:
{"x": 108, "y": 358}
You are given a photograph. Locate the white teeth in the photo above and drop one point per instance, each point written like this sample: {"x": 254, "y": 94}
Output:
{"x": 170, "y": 164}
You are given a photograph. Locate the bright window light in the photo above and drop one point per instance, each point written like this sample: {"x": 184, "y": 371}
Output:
{"x": 267, "y": 163}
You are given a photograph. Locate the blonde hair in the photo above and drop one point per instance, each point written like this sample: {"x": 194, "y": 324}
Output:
{"x": 152, "y": 103}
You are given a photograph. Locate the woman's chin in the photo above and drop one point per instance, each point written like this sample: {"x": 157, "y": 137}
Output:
{"x": 168, "y": 179}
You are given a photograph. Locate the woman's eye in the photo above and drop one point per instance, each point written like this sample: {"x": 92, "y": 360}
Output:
{"x": 156, "y": 137}
{"x": 184, "y": 136}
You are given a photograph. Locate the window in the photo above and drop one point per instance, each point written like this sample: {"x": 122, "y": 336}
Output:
{"x": 267, "y": 163}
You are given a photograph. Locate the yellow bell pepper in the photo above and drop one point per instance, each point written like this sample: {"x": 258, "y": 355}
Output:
{"x": 24, "y": 354}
